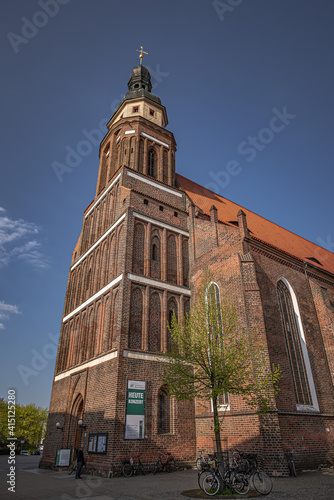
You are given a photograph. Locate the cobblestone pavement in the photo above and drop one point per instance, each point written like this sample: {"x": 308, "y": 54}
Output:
{"x": 33, "y": 483}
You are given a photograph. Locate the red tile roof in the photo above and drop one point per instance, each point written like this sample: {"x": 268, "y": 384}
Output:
{"x": 260, "y": 228}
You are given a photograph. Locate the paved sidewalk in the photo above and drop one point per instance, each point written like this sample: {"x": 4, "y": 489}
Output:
{"x": 35, "y": 484}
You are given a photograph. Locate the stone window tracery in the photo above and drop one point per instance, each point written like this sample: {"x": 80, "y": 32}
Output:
{"x": 293, "y": 339}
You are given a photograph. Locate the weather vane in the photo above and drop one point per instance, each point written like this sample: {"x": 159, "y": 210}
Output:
{"x": 141, "y": 55}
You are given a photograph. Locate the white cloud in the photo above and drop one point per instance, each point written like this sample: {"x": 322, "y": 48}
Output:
{"x": 14, "y": 234}
{"x": 8, "y": 309}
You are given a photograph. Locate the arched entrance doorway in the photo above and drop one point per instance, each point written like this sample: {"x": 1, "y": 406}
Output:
{"x": 75, "y": 433}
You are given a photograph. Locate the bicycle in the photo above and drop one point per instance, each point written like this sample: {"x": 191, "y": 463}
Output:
{"x": 213, "y": 479}
{"x": 291, "y": 463}
{"x": 240, "y": 462}
{"x": 203, "y": 462}
{"x": 261, "y": 481}
{"x": 72, "y": 467}
{"x": 165, "y": 462}
{"x": 130, "y": 468}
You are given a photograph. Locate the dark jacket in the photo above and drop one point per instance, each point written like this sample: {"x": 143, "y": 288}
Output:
{"x": 80, "y": 456}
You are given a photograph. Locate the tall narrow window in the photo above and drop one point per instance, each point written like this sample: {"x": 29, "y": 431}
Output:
{"x": 136, "y": 319}
{"x": 154, "y": 252}
{"x": 164, "y": 412}
{"x": 294, "y": 346}
{"x": 151, "y": 167}
{"x": 171, "y": 259}
{"x": 172, "y": 309}
{"x": 154, "y": 328}
{"x": 214, "y": 310}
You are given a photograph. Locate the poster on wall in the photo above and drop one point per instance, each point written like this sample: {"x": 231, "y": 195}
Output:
{"x": 63, "y": 458}
{"x": 135, "y": 410}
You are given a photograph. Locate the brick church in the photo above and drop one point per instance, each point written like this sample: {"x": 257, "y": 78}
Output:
{"x": 145, "y": 240}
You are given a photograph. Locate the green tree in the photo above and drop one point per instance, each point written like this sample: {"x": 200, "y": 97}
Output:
{"x": 212, "y": 355}
{"x": 29, "y": 425}
{"x": 3, "y": 426}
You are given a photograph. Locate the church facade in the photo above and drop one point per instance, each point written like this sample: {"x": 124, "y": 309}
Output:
{"x": 146, "y": 238}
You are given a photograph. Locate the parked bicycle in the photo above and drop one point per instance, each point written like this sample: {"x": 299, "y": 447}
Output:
{"x": 130, "y": 468}
{"x": 222, "y": 476}
{"x": 165, "y": 462}
{"x": 203, "y": 462}
{"x": 257, "y": 477}
{"x": 291, "y": 463}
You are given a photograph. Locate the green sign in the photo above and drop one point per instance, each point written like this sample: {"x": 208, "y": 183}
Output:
{"x": 135, "y": 402}
{"x": 135, "y": 410}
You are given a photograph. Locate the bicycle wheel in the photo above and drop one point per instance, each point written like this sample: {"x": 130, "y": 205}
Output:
{"x": 127, "y": 470}
{"x": 157, "y": 467}
{"x": 142, "y": 469}
{"x": 211, "y": 484}
{"x": 201, "y": 477}
{"x": 170, "y": 465}
{"x": 240, "y": 484}
{"x": 262, "y": 483}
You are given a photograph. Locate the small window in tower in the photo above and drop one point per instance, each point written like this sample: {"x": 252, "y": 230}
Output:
{"x": 152, "y": 112}
{"x": 161, "y": 208}
{"x": 145, "y": 202}
{"x": 176, "y": 214}
{"x": 154, "y": 252}
{"x": 108, "y": 152}
{"x": 151, "y": 167}
{"x": 143, "y": 87}
{"x": 135, "y": 109}
{"x": 137, "y": 86}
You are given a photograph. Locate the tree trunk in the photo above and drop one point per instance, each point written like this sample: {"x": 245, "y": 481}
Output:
{"x": 217, "y": 430}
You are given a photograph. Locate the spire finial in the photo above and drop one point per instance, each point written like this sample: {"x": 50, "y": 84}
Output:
{"x": 141, "y": 55}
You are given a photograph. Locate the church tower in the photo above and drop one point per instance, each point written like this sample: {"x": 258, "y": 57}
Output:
{"x": 129, "y": 273}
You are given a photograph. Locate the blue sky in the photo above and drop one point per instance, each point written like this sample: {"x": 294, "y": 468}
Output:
{"x": 223, "y": 70}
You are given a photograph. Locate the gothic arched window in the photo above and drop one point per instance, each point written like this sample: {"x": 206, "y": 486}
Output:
{"x": 155, "y": 256}
{"x": 136, "y": 319}
{"x": 214, "y": 310}
{"x": 293, "y": 342}
{"x": 154, "y": 328}
{"x": 151, "y": 166}
{"x": 172, "y": 310}
{"x": 164, "y": 412}
{"x": 171, "y": 259}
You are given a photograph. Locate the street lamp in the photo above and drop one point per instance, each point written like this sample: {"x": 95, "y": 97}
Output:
{"x": 59, "y": 426}
{"x": 80, "y": 424}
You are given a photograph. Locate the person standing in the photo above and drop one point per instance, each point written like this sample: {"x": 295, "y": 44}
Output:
{"x": 80, "y": 464}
